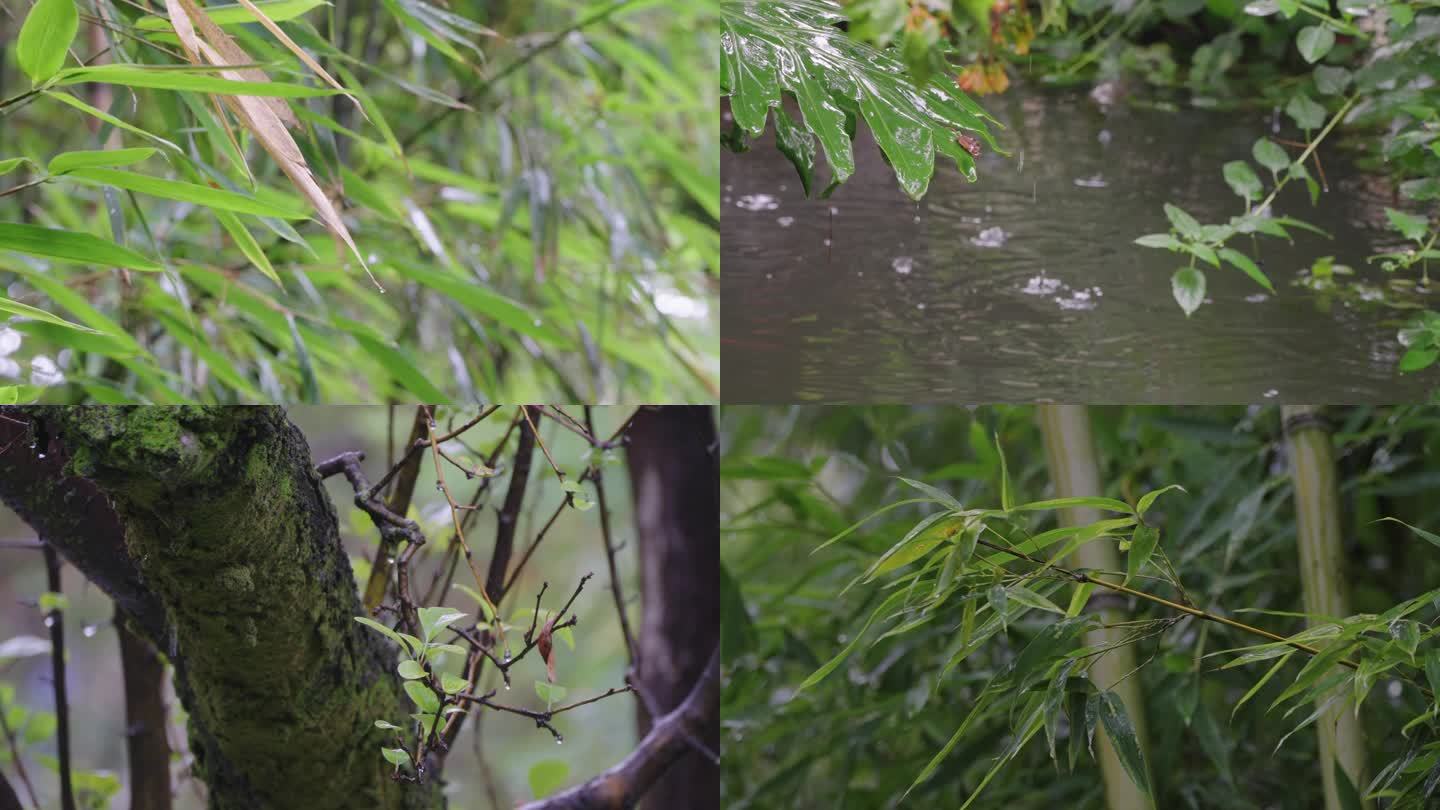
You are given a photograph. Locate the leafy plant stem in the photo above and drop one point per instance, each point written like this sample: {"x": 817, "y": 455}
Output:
{"x": 1309, "y": 149}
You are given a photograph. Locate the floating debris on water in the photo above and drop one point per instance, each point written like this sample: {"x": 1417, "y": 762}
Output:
{"x": 757, "y": 202}
{"x": 903, "y": 265}
{"x": 1093, "y": 181}
{"x": 990, "y": 237}
{"x": 785, "y": 222}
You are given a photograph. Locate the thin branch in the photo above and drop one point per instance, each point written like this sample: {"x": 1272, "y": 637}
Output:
{"x": 622, "y": 785}
{"x": 54, "y": 619}
{"x": 558, "y": 473}
{"x": 615, "y": 591}
{"x": 399, "y": 503}
{"x": 509, "y": 516}
{"x": 15, "y": 757}
{"x": 455, "y": 519}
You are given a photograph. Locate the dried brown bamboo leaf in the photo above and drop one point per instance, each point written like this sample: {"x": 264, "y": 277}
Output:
{"x": 228, "y": 52}
{"x": 190, "y": 43}
{"x": 285, "y": 40}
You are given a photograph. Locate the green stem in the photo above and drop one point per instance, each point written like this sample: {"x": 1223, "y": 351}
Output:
{"x": 1309, "y": 150}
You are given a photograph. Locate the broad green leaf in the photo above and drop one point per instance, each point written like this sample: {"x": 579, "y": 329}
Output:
{"x": 423, "y": 697}
{"x": 27, "y": 311}
{"x": 1188, "y": 287}
{"x": 71, "y": 246}
{"x": 1122, "y": 738}
{"x": 410, "y": 670}
{"x": 547, "y": 776}
{"x": 277, "y": 10}
{"x": 1270, "y": 155}
{"x": 185, "y": 192}
{"x": 830, "y": 74}
{"x": 45, "y": 37}
{"x": 452, "y": 684}
{"x": 18, "y": 394}
{"x": 1409, "y": 225}
{"x": 168, "y": 78}
{"x": 1142, "y": 545}
{"x": 1314, "y": 42}
{"x": 10, "y": 165}
{"x": 1187, "y": 225}
{"x": 1306, "y": 113}
{"x": 435, "y": 619}
{"x": 1160, "y": 240}
{"x": 1242, "y": 179}
{"x": 395, "y": 756}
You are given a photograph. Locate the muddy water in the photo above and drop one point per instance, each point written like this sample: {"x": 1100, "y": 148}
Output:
{"x": 1026, "y": 285}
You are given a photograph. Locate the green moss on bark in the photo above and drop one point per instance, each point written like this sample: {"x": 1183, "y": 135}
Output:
{"x": 229, "y": 525}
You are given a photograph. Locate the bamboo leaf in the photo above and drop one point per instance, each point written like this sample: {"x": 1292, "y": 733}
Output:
{"x": 1148, "y": 499}
{"x": 171, "y": 79}
{"x": 184, "y": 192}
{"x": 71, "y": 246}
{"x": 1122, "y": 737}
{"x": 1142, "y": 546}
{"x": 1007, "y": 498}
{"x": 27, "y": 311}
{"x": 69, "y": 161}
{"x": 829, "y": 667}
{"x": 276, "y": 10}
{"x": 44, "y": 38}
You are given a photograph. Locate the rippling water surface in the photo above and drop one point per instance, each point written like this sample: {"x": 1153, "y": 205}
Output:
{"x": 1026, "y": 285}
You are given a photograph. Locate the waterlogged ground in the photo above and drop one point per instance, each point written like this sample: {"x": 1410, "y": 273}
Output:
{"x": 1026, "y": 285}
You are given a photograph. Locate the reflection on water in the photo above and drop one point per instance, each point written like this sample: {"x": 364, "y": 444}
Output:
{"x": 1026, "y": 286}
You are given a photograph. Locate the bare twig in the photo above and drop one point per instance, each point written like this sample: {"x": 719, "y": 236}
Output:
{"x": 615, "y": 591}
{"x": 509, "y": 516}
{"x": 622, "y": 785}
{"x": 55, "y": 621}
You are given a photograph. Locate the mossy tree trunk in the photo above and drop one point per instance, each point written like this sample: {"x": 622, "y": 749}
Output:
{"x": 1070, "y": 454}
{"x": 1322, "y": 576}
{"x": 211, "y": 527}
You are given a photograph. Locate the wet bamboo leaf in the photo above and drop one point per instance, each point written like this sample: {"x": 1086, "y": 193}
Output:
{"x": 1142, "y": 546}
{"x": 1122, "y": 737}
{"x": 829, "y": 667}
{"x": 60, "y": 164}
{"x": 171, "y": 79}
{"x": 185, "y": 192}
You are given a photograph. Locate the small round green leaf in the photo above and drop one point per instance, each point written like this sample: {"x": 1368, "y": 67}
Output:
{"x": 1188, "y": 287}
{"x": 395, "y": 756}
{"x": 1315, "y": 41}
{"x": 421, "y": 694}
{"x": 452, "y": 683}
{"x": 411, "y": 669}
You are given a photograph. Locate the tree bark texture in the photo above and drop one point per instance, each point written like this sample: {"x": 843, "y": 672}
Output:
{"x": 674, "y": 471}
{"x": 211, "y": 528}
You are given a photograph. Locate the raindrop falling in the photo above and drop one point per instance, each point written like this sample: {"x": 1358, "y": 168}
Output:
{"x": 89, "y": 630}
{"x": 49, "y": 621}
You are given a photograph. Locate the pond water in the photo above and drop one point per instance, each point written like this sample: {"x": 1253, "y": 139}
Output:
{"x": 1026, "y": 284}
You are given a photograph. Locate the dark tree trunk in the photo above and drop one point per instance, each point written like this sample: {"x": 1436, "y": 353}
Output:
{"x": 674, "y": 473}
{"x": 211, "y": 527}
{"x": 146, "y": 748}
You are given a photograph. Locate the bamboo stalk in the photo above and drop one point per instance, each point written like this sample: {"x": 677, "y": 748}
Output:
{"x": 1070, "y": 454}
{"x": 1322, "y": 575}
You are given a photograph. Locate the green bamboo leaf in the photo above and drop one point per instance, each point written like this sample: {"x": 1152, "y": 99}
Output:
{"x": 1431, "y": 537}
{"x": 1142, "y": 546}
{"x": 168, "y": 78}
{"x": 921, "y": 540}
{"x": 396, "y": 363}
{"x": 829, "y": 667}
{"x": 1108, "y": 504}
{"x": 862, "y": 521}
{"x": 27, "y": 311}
{"x": 44, "y": 38}
{"x": 1148, "y": 499}
{"x": 69, "y": 161}
{"x": 277, "y": 10}
{"x": 1122, "y": 738}
{"x": 485, "y": 302}
{"x": 71, "y": 101}
{"x": 1007, "y": 497}
{"x": 11, "y": 164}
{"x": 71, "y": 246}
{"x": 938, "y": 494}
{"x": 185, "y": 192}
{"x": 245, "y": 240}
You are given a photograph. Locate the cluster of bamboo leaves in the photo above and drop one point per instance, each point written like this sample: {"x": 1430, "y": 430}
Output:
{"x": 205, "y": 203}
{"x": 950, "y": 667}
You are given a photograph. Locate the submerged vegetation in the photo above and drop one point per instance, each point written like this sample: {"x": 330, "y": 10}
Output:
{"x": 296, "y": 200}
{"x": 1032, "y": 607}
{"x": 1359, "y": 74}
